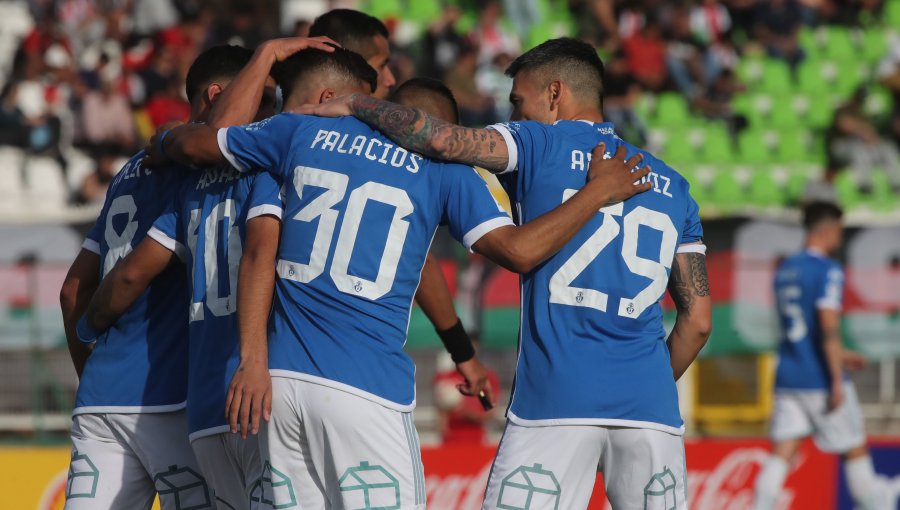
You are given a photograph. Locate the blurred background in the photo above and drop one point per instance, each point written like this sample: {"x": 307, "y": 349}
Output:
{"x": 761, "y": 104}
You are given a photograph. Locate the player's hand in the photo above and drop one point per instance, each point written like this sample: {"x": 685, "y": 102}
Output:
{"x": 153, "y": 155}
{"x": 836, "y": 396}
{"x": 476, "y": 380}
{"x": 249, "y": 397}
{"x": 854, "y": 360}
{"x": 337, "y": 107}
{"x": 615, "y": 175}
{"x": 287, "y": 46}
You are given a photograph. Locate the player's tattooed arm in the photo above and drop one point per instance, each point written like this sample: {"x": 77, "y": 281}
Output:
{"x": 419, "y": 132}
{"x": 689, "y": 288}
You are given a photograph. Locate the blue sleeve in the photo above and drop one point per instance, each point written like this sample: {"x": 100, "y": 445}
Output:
{"x": 263, "y": 145}
{"x": 693, "y": 229}
{"x": 528, "y": 144}
{"x": 265, "y": 197}
{"x": 830, "y": 293}
{"x": 470, "y": 209}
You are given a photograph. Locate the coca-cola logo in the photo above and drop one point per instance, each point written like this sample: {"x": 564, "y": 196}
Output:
{"x": 729, "y": 485}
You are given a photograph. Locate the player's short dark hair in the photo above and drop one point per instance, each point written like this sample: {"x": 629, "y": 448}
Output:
{"x": 416, "y": 87}
{"x": 351, "y": 29}
{"x": 216, "y": 63}
{"x": 341, "y": 62}
{"x": 570, "y": 60}
{"x": 816, "y": 213}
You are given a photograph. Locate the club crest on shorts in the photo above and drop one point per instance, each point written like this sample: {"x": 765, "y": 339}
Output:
{"x": 369, "y": 487}
{"x": 274, "y": 489}
{"x": 659, "y": 493}
{"x": 83, "y": 477}
{"x": 187, "y": 487}
{"x": 529, "y": 487}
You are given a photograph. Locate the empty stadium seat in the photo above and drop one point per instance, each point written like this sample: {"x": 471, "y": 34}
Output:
{"x": 794, "y": 145}
{"x": 672, "y": 110}
{"x": 717, "y": 146}
{"x": 725, "y": 191}
{"x": 763, "y": 190}
{"x": 874, "y": 44}
{"x": 44, "y": 183}
{"x": 847, "y": 190}
{"x": 839, "y": 44}
{"x": 11, "y": 162}
{"x": 776, "y": 77}
{"x": 757, "y": 146}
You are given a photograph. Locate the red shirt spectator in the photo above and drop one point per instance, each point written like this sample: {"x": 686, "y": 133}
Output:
{"x": 646, "y": 54}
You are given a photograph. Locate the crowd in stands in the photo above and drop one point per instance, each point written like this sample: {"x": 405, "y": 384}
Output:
{"x": 85, "y": 83}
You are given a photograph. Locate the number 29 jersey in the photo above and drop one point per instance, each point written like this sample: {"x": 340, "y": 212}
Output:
{"x": 359, "y": 216}
{"x": 592, "y": 349}
{"x": 805, "y": 283}
{"x": 140, "y": 363}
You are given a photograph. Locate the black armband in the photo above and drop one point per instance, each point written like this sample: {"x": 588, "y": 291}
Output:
{"x": 457, "y": 342}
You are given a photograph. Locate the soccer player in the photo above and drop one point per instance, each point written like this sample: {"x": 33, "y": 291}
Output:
{"x": 357, "y": 31}
{"x": 368, "y": 36}
{"x": 813, "y": 395}
{"x": 360, "y": 213}
{"x": 206, "y": 224}
{"x": 595, "y": 382}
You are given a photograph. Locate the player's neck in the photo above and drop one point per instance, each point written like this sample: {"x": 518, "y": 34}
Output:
{"x": 816, "y": 247}
{"x": 578, "y": 112}
{"x": 199, "y": 113}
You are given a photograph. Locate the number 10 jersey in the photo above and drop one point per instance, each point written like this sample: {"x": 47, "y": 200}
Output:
{"x": 592, "y": 347}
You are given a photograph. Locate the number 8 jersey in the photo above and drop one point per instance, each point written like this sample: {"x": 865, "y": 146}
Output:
{"x": 592, "y": 348}
{"x": 359, "y": 216}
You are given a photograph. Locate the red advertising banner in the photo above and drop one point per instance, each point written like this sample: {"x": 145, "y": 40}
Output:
{"x": 721, "y": 474}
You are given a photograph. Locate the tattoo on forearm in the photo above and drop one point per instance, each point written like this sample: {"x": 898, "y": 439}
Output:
{"x": 699, "y": 275}
{"x": 688, "y": 282}
{"x": 419, "y": 132}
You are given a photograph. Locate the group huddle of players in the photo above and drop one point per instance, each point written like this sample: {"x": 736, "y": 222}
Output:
{"x": 238, "y": 312}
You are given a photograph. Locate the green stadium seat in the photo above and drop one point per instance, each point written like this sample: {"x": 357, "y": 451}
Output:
{"x": 794, "y": 145}
{"x": 796, "y": 185}
{"x": 763, "y": 190}
{"x": 783, "y": 113}
{"x": 850, "y": 76}
{"x": 839, "y": 44}
{"x": 679, "y": 146}
{"x": 883, "y": 197}
{"x": 757, "y": 146}
{"x": 384, "y": 8}
{"x": 776, "y": 77}
{"x": 424, "y": 11}
{"x": 892, "y": 13}
{"x": 847, "y": 190}
{"x": 749, "y": 71}
{"x": 874, "y": 44}
{"x": 716, "y": 146}
{"x": 878, "y": 102}
{"x": 811, "y": 42}
{"x": 672, "y": 110}
{"x": 725, "y": 192}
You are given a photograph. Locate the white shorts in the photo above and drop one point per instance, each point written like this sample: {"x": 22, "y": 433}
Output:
{"x": 801, "y": 413}
{"x": 555, "y": 467}
{"x": 232, "y": 467}
{"x": 328, "y": 449}
{"x": 124, "y": 460}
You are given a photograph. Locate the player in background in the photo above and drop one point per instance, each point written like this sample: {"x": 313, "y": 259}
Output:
{"x": 595, "y": 382}
{"x": 368, "y": 36}
{"x": 813, "y": 395}
{"x": 343, "y": 390}
{"x": 211, "y": 217}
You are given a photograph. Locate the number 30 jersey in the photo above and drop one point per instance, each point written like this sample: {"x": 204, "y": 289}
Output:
{"x": 359, "y": 217}
{"x": 140, "y": 363}
{"x": 592, "y": 349}
{"x": 205, "y": 225}
{"x": 805, "y": 283}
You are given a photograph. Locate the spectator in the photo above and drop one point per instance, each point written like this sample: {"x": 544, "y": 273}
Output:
{"x": 475, "y": 109}
{"x": 777, "y": 27}
{"x": 106, "y": 118}
{"x": 242, "y": 28}
{"x": 888, "y": 74}
{"x": 462, "y": 420}
{"x": 686, "y": 60}
{"x": 169, "y": 105}
{"x": 494, "y": 83}
{"x": 442, "y": 44}
{"x": 621, "y": 92}
{"x": 491, "y": 38}
{"x": 596, "y": 21}
{"x": 710, "y": 22}
{"x": 93, "y": 187}
{"x": 646, "y": 53}
{"x": 853, "y": 141}
{"x": 523, "y": 14}
{"x": 821, "y": 190}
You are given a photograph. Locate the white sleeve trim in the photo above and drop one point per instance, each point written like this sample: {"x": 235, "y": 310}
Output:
{"x": 511, "y": 148}
{"x": 265, "y": 209}
{"x": 478, "y": 232}
{"x": 91, "y": 245}
{"x": 168, "y": 243}
{"x": 222, "y": 138}
{"x": 829, "y": 304}
{"x": 692, "y": 248}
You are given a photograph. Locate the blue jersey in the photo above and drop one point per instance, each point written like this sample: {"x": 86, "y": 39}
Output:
{"x": 805, "y": 283}
{"x": 205, "y": 225}
{"x": 140, "y": 364}
{"x": 360, "y": 214}
{"x": 592, "y": 348}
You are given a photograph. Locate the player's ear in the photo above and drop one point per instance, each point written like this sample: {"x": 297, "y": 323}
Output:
{"x": 326, "y": 95}
{"x": 554, "y": 92}
{"x": 213, "y": 91}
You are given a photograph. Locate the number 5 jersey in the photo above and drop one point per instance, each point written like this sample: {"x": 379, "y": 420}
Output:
{"x": 592, "y": 348}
